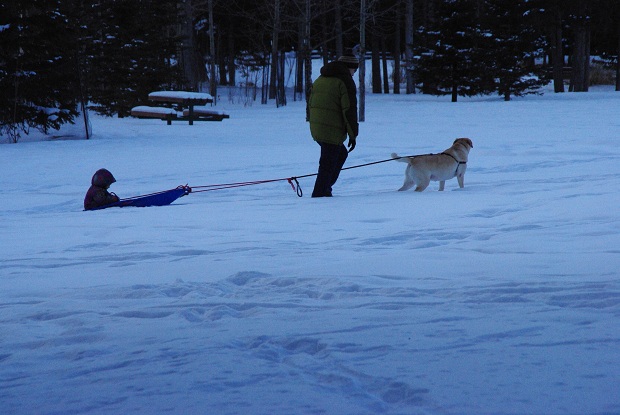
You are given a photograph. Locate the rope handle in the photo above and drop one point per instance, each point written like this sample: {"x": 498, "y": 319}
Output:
{"x": 185, "y": 188}
{"x": 296, "y": 187}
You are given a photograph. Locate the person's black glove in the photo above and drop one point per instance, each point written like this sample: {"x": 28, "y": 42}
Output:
{"x": 351, "y": 144}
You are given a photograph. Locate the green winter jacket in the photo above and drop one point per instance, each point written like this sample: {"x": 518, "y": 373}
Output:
{"x": 332, "y": 107}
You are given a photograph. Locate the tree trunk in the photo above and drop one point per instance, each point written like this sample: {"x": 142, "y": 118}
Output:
{"x": 264, "y": 89}
{"x": 299, "y": 59}
{"x": 338, "y": 28}
{"x": 579, "y": 81}
{"x": 586, "y": 84}
{"x": 409, "y": 46}
{"x": 557, "y": 54}
{"x": 274, "y": 50}
{"x": 281, "y": 92}
{"x": 375, "y": 64}
{"x": 307, "y": 51}
{"x": 231, "y": 55}
{"x": 221, "y": 60}
{"x": 581, "y": 50}
{"x": 397, "y": 52}
{"x": 324, "y": 51}
{"x": 384, "y": 58}
{"x": 213, "y": 79}
{"x": 191, "y": 61}
{"x": 454, "y": 84}
{"x": 362, "y": 57}
{"x": 618, "y": 59}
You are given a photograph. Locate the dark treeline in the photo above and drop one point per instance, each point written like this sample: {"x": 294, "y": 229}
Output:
{"x": 58, "y": 55}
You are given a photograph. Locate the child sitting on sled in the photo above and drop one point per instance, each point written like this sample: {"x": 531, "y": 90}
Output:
{"x": 98, "y": 194}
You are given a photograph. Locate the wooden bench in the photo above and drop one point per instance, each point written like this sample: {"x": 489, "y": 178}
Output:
{"x": 167, "y": 114}
{"x": 205, "y": 114}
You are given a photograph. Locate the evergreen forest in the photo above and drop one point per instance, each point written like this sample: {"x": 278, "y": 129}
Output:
{"x": 61, "y": 57}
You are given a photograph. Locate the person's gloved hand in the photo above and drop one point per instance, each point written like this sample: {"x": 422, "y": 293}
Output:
{"x": 351, "y": 144}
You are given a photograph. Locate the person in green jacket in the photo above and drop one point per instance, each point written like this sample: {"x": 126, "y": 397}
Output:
{"x": 332, "y": 112}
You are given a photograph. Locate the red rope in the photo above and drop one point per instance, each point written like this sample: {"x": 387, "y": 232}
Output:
{"x": 221, "y": 186}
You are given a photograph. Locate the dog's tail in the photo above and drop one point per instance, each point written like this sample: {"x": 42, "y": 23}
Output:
{"x": 398, "y": 158}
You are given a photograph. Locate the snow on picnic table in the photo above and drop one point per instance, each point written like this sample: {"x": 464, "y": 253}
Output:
{"x": 499, "y": 298}
{"x": 143, "y": 109}
{"x": 177, "y": 96}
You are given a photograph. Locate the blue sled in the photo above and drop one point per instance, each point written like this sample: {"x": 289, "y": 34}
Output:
{"x": 154, "y": 199}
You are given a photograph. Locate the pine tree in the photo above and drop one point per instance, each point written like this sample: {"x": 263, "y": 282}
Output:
{"x": 38, "y": 73}
{"x": 454, "y": 52}
{"x": 515, "y": 47}
{"x": 133, "y": 51}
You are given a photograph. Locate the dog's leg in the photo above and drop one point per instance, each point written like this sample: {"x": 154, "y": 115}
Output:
{"x": 407, "y": 185}
{"x": 423, "y": 184}
{"x": 409, "y": 182}
{"x": 442, "y": 183}
{"x": 461, "y": 179}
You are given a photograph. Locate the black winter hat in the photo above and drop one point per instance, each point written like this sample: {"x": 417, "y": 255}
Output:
{"x": 350, "y": 61}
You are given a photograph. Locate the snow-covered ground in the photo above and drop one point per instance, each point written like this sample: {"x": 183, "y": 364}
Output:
{"x": 499, "y": 298}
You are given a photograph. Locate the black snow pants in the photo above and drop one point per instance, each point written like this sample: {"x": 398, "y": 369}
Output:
{"x": 332, "y": 159}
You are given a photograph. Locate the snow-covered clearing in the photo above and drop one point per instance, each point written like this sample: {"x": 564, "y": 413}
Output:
{"x": 499, "y": 298}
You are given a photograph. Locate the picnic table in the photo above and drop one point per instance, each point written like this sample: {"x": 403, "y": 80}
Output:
{"x": 188, "y": 106}
{"x": 184, "y": 99}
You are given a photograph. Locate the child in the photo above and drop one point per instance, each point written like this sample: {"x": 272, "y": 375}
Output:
{"x": 98, "y": 194}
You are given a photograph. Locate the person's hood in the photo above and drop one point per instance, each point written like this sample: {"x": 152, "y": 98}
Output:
{"x": 335, "y": 69}
{"x": 102, "y": 178}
